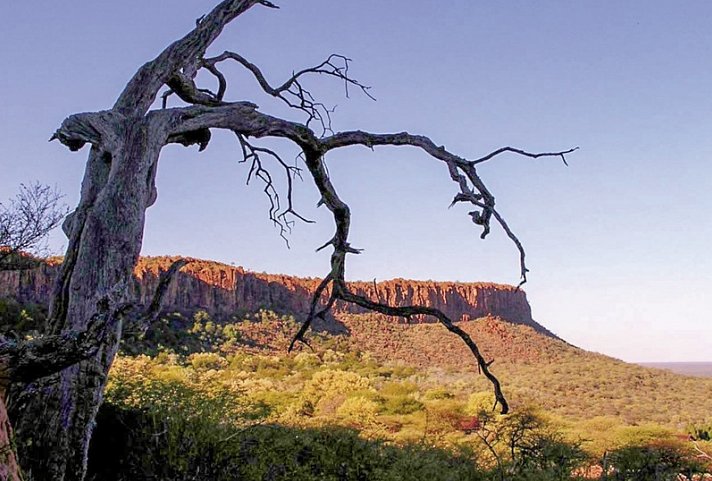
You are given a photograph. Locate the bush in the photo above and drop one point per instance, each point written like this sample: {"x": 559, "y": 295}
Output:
{"x": 358, "y": 411}
{"x": 331, "y": 382}
{"x": 136, "y": 445}
{"x": 659, "y": 461}
{"x": 204, "y": 361}
{"x": 480, "y": 402}
{"x": 438, "y": 393}
{"x": 398, "y": 388}
{"x": 401, "y": 405}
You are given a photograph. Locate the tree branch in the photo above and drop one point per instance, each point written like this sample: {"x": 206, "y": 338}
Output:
{"x": 183, "y": 54}
{"x": 139, "y": 322}
{"x": 245, "y": 120}
{"x": 280, "y": 217}
{"x": 561, "y": 154}
{"x": 292, "y": 92}
{"x": 27, "y": 361}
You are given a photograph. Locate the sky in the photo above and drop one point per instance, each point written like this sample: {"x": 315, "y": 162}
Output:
{"x": 617, "y": 242}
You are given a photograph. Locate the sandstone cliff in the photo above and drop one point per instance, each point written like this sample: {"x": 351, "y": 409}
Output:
{"x": 223, "y": 290}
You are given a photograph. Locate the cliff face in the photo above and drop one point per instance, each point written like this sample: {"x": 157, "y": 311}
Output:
{"x": 222, "y": 290}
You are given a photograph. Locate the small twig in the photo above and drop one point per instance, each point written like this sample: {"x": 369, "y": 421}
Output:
{"x": 561, "y": 154}
{"x": 292, "y": 92}
{"x": 278, "y": 215}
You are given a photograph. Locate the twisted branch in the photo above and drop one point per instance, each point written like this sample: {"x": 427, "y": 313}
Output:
{"x": 340, "y": 290}
{"x": 279, "y": 217}
{"x": 245, "y": 120}
{"x": 292, "y": 92}
{"x": 138, "y": 322}
{"x": 26, "y": 361}
{"x": 181, "y": 56}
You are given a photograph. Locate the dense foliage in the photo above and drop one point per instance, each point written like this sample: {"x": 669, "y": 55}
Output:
{"x": 211, "y": 402}
{"x": 194, "y": 398}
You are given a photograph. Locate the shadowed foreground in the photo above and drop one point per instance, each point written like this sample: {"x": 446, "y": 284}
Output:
{"x": 125, "y": 447}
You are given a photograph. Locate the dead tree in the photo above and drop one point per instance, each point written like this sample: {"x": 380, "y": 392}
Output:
{"x": 54, "y": 417}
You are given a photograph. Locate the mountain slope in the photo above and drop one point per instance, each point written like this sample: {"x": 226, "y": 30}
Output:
{"x": 535, "y": 366}
{"x": 535, "y": 369}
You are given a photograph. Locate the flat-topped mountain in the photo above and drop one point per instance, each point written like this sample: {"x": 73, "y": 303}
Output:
{"x": 222, "y": 290}
{"x": 535, "y": 366}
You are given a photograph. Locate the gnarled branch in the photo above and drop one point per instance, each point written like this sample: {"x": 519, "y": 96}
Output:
{"x": 26, "y": 361}
{"x": 245, "y": 120}
{"x": 292, "y": 92}
{"x": 182, "y": 55}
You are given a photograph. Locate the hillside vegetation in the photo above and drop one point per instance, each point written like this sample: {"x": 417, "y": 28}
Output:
{"x": 202, "y": 398}
{"x": 535, "y": 369}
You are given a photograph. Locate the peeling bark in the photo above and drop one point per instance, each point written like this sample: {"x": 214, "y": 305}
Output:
{"x": 54, "y": 415}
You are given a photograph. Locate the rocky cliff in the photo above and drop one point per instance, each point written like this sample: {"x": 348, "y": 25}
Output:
{"x": 223, "y": 290}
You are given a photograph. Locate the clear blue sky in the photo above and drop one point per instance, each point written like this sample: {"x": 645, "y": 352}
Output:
{"x": 618, "y": 243}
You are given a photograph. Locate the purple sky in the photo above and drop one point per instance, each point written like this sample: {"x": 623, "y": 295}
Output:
{"x": 617, "y": 243}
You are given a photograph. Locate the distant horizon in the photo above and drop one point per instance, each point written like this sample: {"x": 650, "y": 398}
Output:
{"x": 687, "y": 368}
{"x": 523, "y": 288}
{"x": 673, "y": 362}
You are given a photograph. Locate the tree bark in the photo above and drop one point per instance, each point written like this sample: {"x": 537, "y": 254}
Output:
{"x": 54, "y": 416}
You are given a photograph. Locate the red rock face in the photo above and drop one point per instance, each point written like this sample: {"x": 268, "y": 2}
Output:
{"x": 223, "y": 290}
{"x": 33, "y": 285}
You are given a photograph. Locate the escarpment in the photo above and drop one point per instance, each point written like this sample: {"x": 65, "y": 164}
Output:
{"x": 223, "y": 290}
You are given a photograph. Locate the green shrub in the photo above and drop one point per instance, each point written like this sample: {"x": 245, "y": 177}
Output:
{"x": 204, "y": 361}
{"x": 659, "y": 461}
{"x": 358, "y": 411}
{"x": 139, "y": 445}
{"x": 398, "y": 388}
{"x": 330, "y": 382}
{"x": 401, "y": 405}
{"x": 438, "y": 393}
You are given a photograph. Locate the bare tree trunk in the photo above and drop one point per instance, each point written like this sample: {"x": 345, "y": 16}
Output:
{"x": 28, "y": 360}
{"x": 54, "y": 416}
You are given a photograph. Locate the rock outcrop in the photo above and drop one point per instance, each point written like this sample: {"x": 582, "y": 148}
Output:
{"x": 224, "y": 290}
